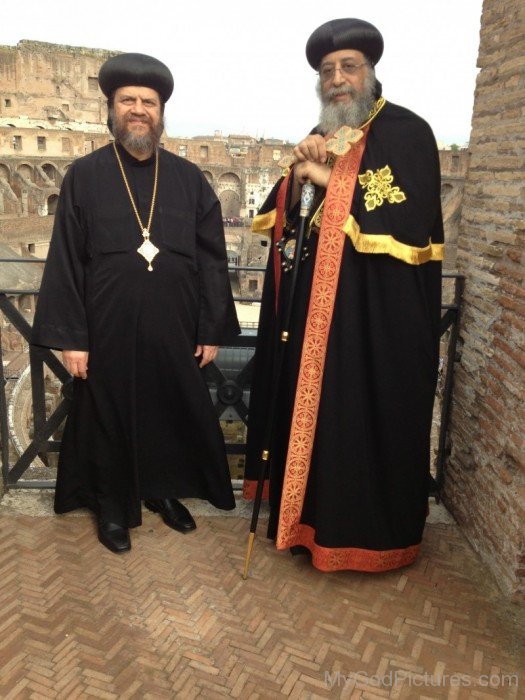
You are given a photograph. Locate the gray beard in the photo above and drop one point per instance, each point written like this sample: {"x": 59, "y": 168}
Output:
{"x": 334, "y": 115}
{"x": 144, "y": 144}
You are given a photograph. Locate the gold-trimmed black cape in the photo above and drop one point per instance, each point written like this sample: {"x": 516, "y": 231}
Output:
{"x": 369, "y": 474}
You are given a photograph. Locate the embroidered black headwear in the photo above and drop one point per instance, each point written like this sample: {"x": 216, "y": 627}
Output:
{"x": 349, "y": 33}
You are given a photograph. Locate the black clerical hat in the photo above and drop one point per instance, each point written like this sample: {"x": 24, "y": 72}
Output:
{"x": 349, "y": 33}
{"x": 135, "y": 69}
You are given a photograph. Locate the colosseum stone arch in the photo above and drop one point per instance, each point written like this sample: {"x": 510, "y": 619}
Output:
{"x": 5, "y": 172}
{"x": 52, "y": 202}
{"x": 230, "y": 203}
{"x": 26, "y": 171}
{"x": 51, "y": 171}
{"x": 229, "y": 181}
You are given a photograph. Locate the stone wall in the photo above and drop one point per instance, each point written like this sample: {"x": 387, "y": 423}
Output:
{"x": 25, "y": 140}
{"x": 53, "y": 82}
{"x": 27, "y": 236}
{"x": 485, "y": 480}
{"x": 453, "y": 166}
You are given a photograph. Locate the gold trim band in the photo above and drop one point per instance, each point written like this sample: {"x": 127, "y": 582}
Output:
{"x": 378, "y": 106}
{"x": 263, "y": 222}
{"x": 387, "y": 244}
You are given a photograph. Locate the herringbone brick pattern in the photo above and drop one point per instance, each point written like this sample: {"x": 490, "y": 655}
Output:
{"x": 174, "y": 619}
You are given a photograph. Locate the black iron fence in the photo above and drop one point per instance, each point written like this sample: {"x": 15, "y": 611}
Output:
{"x": 229, "y": 380}
{"x": 450, "y": 333}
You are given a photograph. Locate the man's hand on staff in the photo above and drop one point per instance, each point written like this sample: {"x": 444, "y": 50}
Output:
{"x": 311, "y": 156}
{"x": 76, "y": 362}
{"x": 207, "y": 353}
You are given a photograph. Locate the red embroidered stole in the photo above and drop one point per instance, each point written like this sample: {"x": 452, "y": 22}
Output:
{"x": 319, "y": 318}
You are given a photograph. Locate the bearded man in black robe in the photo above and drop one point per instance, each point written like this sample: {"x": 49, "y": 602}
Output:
{"x": 136, "y": 295}
{"x": 349, "y": 459}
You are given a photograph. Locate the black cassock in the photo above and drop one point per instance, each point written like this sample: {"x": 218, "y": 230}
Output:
{"x": 142, "y": 425}
{"x": 367, "y": 492}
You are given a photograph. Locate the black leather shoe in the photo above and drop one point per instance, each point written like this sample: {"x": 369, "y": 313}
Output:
{"x": 173, "y": 513}
{"x": 114, "y": 537}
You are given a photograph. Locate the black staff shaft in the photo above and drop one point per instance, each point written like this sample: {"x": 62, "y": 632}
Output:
{"x": 284, "y": 335}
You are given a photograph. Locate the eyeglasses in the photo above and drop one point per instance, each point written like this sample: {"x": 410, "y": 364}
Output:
{"x": 347, "y": 67}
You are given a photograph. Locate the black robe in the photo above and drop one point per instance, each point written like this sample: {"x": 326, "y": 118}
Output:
{"x": 367, "y": 489}
{"x": 142, "y": 425}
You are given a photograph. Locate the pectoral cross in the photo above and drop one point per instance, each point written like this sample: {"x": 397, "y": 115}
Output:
{"x": 147, "y": 249}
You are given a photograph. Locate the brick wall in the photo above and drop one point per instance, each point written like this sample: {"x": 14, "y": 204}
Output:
{"x": 485, "y": 486}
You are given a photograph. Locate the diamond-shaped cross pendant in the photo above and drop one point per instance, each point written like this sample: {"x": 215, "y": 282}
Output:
{"x": 148, "y": 250}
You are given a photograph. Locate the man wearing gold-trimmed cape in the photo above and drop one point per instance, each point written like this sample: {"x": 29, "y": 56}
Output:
{"x": 349, "y": 474}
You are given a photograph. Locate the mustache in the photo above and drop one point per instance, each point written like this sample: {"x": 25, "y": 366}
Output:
{"x": 134, "y": 118}
{"x": 336, "y": 91}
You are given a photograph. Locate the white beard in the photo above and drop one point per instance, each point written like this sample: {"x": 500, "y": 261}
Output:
{"x": 334, "y": 115}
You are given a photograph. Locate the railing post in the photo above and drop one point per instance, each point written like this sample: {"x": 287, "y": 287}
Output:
{"x": 446, "y": 401}
{"x": 38, "y": 390}
{"x": 4, "y": 427}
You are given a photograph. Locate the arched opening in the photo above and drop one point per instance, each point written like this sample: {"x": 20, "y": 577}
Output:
{"x": 230, "y": 181}
{"x": 208, "y": 176}
{"x": 50, "y": 171}
{"x": 4, "y": 172}
{"x": 26, "y": 171}
{"x": 52, "y": 202}
{"x": 229, "y": 190}
{"x": 230, "y": 204}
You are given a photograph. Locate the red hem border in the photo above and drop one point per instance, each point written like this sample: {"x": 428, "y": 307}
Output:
{"x": 329, "y": 559}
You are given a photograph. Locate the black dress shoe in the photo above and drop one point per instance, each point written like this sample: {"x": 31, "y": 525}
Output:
{"x": 173, "y": 513}
{"x": 114, "y": 537}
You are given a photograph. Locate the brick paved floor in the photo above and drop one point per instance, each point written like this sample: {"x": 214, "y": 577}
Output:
{"x": 174, "y": 619}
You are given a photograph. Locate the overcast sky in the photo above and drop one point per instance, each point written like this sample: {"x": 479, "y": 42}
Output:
{"x": 240, "y": 67}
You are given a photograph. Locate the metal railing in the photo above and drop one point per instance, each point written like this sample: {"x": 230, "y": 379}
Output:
{"x": 229, "y": 379}
{"x": 449, "y": 324}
